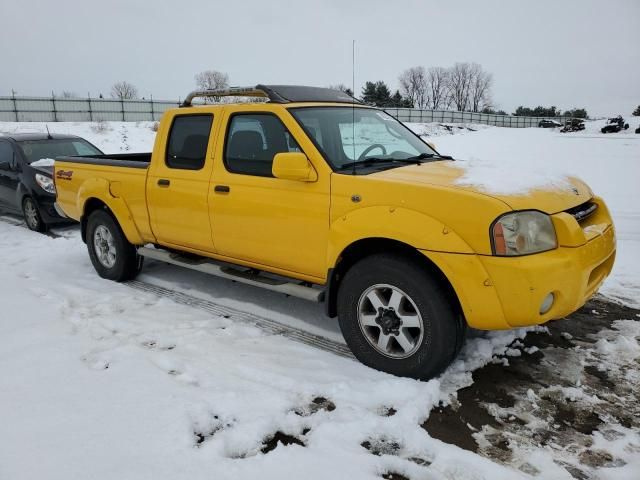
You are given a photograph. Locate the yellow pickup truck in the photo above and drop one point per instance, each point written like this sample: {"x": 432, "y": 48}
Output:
{"x": 314, "y": 195}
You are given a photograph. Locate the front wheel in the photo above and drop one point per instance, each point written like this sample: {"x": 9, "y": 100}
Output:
{"x": 396, "y": 318}
{"x": 111, "y": 254}
{"x": 32, "y": 215}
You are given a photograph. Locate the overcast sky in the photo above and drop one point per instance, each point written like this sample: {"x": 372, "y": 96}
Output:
{"x": 569, "y": 53}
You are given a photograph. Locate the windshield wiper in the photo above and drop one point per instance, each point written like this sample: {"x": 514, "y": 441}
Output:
{"x": 374, "y": 160}
{"x": 424, "y": 156}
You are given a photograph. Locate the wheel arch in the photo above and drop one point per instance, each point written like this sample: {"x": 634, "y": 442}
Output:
{"x": 365, "y": 247}
{"x": 91, "y": 205}
{"x": 117, "y": 211}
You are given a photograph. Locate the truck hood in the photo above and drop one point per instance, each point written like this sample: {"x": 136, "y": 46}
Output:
{"x": 549, "y": 198}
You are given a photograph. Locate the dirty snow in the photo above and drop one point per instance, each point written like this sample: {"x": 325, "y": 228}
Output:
{"x": 98, "y": 380}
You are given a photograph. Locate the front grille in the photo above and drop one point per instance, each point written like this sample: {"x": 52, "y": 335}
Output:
{"x": 583, "y": 211}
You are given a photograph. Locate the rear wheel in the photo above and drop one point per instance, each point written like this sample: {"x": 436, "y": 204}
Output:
{"x": 111, "y": 254}
{"x": 32, "y": 215}
{"x": 396, "y": 318}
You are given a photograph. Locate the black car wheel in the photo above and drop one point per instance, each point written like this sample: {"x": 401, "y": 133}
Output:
{"x": 32, "y": 215}
{"x": 396, "y": 318}
{"x": 111, "y": 254}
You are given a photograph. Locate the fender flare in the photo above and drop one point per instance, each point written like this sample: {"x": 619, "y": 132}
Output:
{"x": 425, "y": 232}
{"x": 100, "y": 189}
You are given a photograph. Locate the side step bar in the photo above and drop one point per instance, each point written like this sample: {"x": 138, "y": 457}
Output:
{"x": 238, "y": 274}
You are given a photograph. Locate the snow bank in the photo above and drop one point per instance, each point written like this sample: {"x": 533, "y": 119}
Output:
{"x": 110, "y": 137}
{"x": 102, "y": 381}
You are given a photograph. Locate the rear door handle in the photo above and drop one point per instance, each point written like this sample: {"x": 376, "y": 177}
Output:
{"x": 221, "y": 189}
{"x": 163, "y": 182}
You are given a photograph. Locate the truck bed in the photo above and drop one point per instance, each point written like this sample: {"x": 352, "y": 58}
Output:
{"x": 129, "y": 160}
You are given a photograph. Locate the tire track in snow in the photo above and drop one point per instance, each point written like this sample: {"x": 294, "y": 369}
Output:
{"x": 266, "y": 324}
{"x": 271, "y": 326}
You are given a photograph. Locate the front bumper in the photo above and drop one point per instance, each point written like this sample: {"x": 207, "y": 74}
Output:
{"x": 506, "y": 292}
{"x": 50, "y": 214}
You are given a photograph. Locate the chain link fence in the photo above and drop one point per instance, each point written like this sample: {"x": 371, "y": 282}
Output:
{"x": 412, "y": 115}
{"x": 53, "y": 109}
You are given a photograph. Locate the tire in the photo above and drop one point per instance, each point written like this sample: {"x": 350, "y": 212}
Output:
{"x": 421, "y": 351}
{"x": 32, "y": 216}
{"x": 111, "y": 254}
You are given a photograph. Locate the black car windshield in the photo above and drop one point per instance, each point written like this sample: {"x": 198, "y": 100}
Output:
{"x": 51, "y": 148}
{"x": 346, "y": 135}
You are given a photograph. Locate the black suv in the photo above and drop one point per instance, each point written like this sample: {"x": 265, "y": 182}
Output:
{"x": 26, "y": 169}
{"x": 546, "y": 123}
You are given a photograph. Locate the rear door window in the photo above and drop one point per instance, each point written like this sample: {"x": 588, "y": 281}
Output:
{"x": 188, "y": 141}
{"x": 6, "y": 152}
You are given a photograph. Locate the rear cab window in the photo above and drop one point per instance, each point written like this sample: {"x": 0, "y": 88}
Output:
{"x": 188, "y": 141}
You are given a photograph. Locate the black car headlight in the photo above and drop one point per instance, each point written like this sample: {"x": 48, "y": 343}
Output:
{"x": 46, "y": 183}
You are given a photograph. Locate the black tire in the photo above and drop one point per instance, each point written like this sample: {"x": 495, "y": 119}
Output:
{"x": 126, "y": 262}
{"x": 442, "y": 326}
{"x": 32, "y": 216}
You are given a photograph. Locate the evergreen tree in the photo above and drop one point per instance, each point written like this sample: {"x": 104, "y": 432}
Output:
{"x": 377, "y": 94}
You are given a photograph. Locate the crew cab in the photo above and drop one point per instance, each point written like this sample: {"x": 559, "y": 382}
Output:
{"x": 315, "y": 195}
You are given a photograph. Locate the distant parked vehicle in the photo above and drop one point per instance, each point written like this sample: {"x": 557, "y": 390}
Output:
{"x": 638, "y": 129}
{"x": 573, "y": 125}
{"x": 546, "y": 123}
{"x": 26, "y": 174}
{"x": 614, "y": 125}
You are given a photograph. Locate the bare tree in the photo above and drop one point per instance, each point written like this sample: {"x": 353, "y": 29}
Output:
{"x": 460, "y": 77}
{"x": 438, "y": 87}
{"x": 124, "y": 91}
{"x": 68, "y": 94}
{"x": 342, "y": 87}
{"x": 413, "y": 86}
{"x": 480, "y": 88}
{"x": 212, "y": 80}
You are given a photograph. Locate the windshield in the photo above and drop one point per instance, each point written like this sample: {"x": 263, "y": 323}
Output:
{"x": 346, "y": 135}
{"x": 37, "y": 149}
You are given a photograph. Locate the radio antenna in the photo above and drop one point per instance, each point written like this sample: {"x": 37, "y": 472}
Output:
{"x": 353, "y": 101}
{"x": 49, "y": 137}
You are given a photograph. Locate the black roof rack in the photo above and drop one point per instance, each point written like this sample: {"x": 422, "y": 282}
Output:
{"x": 277, "y": 94}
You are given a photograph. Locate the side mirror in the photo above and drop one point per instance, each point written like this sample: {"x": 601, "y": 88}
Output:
{"x": 293, "y": 166}
{"x": 4, "y": 165}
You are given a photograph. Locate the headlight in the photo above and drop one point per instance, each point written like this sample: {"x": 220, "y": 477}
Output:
{"x": 46, "y": 183}
{"x": 522, "y": 233}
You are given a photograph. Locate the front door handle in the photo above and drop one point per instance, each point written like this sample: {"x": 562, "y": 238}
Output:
{"x": 163, "y": 182}
{"x": 221, "y": 189}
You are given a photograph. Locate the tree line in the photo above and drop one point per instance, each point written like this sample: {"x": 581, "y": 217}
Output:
{"x": 464, "y": 86}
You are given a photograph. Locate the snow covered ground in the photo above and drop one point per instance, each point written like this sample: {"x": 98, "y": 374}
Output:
{"x": 98, "y": 380}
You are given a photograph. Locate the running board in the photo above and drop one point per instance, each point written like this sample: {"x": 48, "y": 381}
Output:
{"x": 237, "y": 274}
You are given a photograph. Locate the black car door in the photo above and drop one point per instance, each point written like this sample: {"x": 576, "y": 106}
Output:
{"x": 8, "y": 176}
